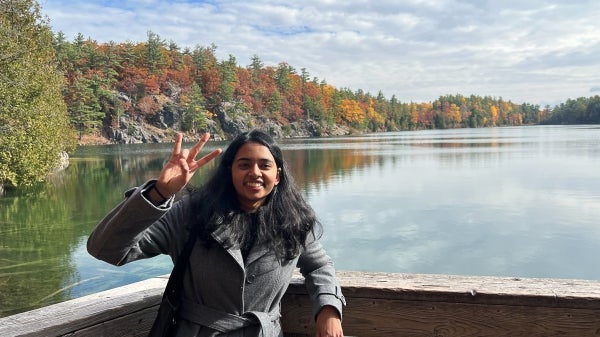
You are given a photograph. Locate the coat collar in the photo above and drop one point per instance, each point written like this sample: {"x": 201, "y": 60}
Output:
{"x": 256, "y": 252}
{"x": 220, "y": 235}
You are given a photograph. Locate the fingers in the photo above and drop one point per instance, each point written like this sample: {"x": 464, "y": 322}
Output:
{"x": 208, "y": 157}
{"x": 180, "y": 168}
{"x": 177, "y": 147}
{"x": 186, "y": 157}
{"x": 202, "y": 161}
{"x": 184, "y": 165}
{"x": 193, "y": 152}
{"x": 199, "y": 145}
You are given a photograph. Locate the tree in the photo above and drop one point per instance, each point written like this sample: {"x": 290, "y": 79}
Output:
{"x": 85, "y": 109}
{"x": 352, "y": 113}
{"x": 63, "y": 50}
{"x": 34, "y": 126}
{"x": 148, "y": 106}
{"x": 274, "y": 104}
{"x": 282, "y": 77}
{"x": 593, "y": 110}
{"x": 228, "y": 78}
{"x": 530, "y": 113}
{"x": 256, "y": 66}
{"x": 195, "y": 116}
{"x": 154, "y": 52}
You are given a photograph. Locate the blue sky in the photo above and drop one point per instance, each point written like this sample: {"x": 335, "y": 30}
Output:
{"x": 534, "y": 51}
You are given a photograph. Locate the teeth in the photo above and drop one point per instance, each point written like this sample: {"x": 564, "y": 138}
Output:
{"x": 254, "y": 184}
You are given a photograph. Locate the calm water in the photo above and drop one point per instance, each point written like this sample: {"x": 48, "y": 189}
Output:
{"x": 519, "y": 201}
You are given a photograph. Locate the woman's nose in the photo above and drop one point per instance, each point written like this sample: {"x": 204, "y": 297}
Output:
{"x": 255, "y": 171}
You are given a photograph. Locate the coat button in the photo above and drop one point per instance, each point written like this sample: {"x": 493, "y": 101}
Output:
{"x": 250, "y": 278}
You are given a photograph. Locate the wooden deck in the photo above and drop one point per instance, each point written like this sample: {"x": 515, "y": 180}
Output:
{"x": 379, "y": 304}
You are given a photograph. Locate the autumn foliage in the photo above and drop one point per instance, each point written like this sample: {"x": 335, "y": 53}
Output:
{"x": 127, "y": 78}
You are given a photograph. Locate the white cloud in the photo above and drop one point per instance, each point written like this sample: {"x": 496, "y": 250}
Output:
{"x": 525, "y": 51}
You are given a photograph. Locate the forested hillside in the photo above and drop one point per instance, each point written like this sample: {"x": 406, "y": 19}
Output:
{"x": 34, "y": 126}
{"x": 162, "y": 85}
{"x": 146, "y": 91}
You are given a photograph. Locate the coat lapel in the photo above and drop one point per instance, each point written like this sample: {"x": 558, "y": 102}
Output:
{"x": 256, "y": 252}
{"x": 220, "y": 235}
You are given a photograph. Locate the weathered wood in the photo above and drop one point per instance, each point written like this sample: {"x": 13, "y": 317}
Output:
{"x": 135, "y": 304}
{"x": 136, "y": 324}
{"x": 381, "y": 317}
{"x": 378, "y": 304}
{"x": 382, "y": 304}
{"x": 471, "y": 289}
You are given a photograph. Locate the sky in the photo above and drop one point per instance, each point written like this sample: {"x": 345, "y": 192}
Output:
{"x": 539, "y": 52}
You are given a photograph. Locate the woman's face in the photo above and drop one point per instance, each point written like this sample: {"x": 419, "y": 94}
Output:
{"x": 254, "y": 174}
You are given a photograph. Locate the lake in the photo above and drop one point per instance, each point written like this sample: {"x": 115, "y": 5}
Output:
{"x": 516, "y": 201}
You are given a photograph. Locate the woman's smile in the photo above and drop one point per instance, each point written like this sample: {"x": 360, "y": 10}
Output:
{"x": 254, "y": 174}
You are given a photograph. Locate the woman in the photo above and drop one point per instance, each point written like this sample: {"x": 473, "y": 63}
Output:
{"x": 254, "y": 229}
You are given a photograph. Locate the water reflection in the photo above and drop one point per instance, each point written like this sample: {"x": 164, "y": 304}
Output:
{"x": 43, "y": 230}
{"x": 510, "y": 201}
{"x": 525, "y": 208}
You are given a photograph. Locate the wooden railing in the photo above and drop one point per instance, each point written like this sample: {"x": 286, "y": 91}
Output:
{"x": 378, "y": 304}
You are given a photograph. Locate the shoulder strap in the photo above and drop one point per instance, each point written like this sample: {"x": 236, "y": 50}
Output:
{"x": 165, "y": 322}
{"x": 176, "y": 277}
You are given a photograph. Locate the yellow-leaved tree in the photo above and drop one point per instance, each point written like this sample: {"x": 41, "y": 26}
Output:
{"x": 34, "y": 125}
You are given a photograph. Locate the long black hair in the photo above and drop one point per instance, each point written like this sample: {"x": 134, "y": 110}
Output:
{"x": 283, "y": 221}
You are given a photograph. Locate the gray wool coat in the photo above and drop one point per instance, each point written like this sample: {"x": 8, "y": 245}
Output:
{"x": 223, "y": 294}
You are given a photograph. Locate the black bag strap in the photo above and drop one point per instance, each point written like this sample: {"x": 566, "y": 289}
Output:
{"x": 165, "y": 322}
{"x": 175, "y": 282}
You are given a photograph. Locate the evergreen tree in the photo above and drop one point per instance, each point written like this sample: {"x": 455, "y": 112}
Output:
{"x": 34, "y": 126}
{"x": 282, "y": 77}
{"x": 256, "y": 67}
{"x": 85, "y": 108}
{"x": 195, "y": 115}
{"x": 63, "y": 52}
{"x": 154, "y": 55}
{"x": 228, "y": 79}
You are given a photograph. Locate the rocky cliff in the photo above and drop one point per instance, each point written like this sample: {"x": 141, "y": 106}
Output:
{"x": 162, "y": 126}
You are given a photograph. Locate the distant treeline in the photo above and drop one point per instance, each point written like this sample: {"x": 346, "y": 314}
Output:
{"x": 107, "y": 80}
{"x": 576, "y": 111}
{"x": 51, "y": 87}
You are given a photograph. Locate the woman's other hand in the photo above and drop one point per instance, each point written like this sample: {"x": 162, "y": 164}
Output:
{"x": 328, "y": 323}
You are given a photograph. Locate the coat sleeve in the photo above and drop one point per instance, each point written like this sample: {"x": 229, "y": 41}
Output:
{"x": 136, "y": 229}
{"x": 319, "y": 275}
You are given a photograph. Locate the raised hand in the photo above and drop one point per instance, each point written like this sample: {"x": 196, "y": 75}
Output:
{"x": 182, "y": 165}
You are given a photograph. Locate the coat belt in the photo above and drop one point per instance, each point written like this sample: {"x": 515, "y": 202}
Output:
{"x": 225, "y": 322}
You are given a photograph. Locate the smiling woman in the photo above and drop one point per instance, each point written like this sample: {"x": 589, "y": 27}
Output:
{"x": 246, "y": 231}
{"x": 254, "y": 174}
